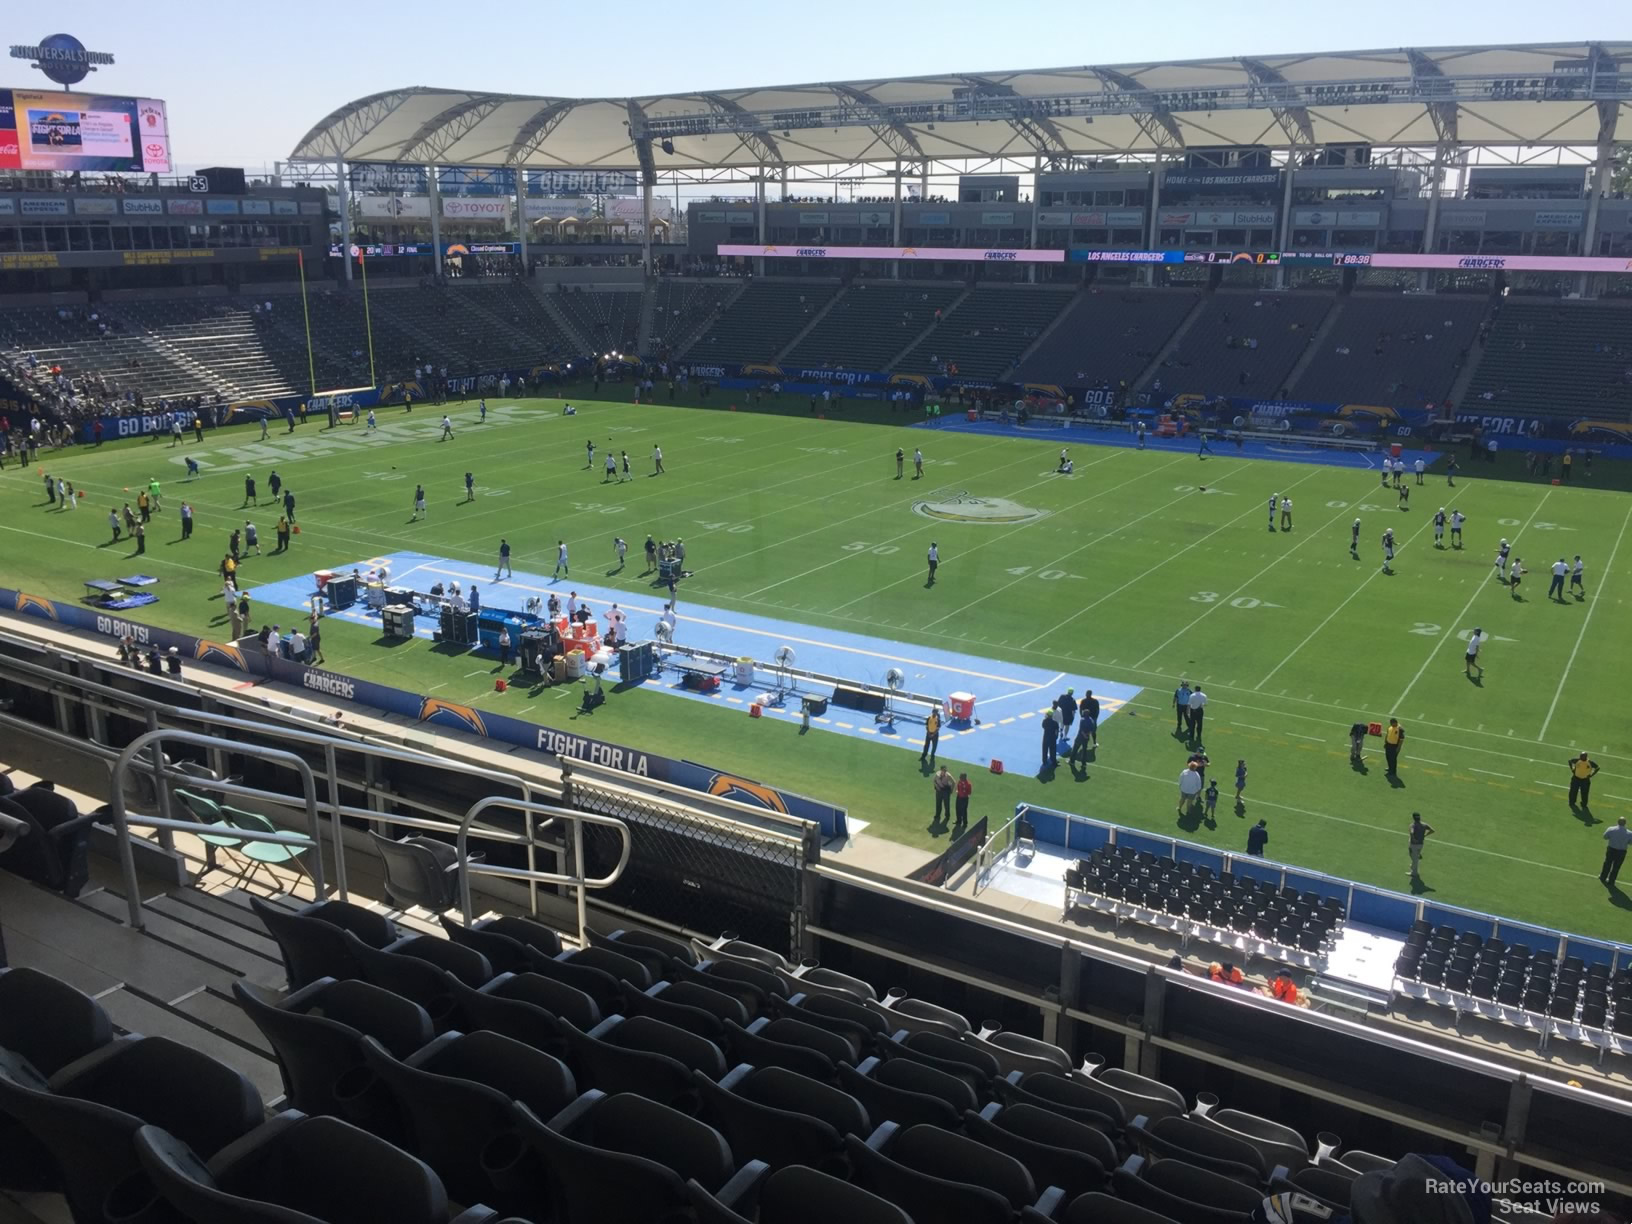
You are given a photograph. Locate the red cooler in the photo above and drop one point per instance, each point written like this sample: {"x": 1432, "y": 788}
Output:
{"x": 961, "y": 707}
{"x": 1395, "y": 451}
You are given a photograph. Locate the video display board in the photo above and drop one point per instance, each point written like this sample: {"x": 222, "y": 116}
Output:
{"x": 41, "y": 130}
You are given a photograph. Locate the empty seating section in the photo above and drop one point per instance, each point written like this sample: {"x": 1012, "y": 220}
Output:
{"x": 869, "y": 325}
{"x": 1513, "y": 984}
{"x": 1564, "y": 359}
{"x": 682, "y": 309}
{"x": 756, "y": 1089}
{"x": 1399, "y": 351}
{"x": 121, "y": 355}
{"x": 608, "y": 321}
{"x": 1225, "y": 910}
{"x": 986, "y": 333}
{"x": 1107, "y": 337}
{"x": 1244, "y": 344}
{"x": 761, "y": 322}
{"x": 183, "y": 346}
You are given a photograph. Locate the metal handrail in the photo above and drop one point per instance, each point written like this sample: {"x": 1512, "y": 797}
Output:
{"x": 326, "y": 742}
{"x": 989, "y": 854}
{"x": 122, "y": 822}
{"x": 10, "y": 830}
{"x": 552, "y": 813}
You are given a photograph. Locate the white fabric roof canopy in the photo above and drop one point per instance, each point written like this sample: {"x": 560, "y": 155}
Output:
{"x": 1540, "y": 94}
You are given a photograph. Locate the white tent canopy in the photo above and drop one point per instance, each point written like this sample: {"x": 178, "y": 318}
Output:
{"x": 1541, "y": 94}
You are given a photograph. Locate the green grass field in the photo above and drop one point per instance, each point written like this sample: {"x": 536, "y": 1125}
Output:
{"x": 800, "y": 519}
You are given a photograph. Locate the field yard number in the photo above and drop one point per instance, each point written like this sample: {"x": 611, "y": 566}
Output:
{"x": 859, "y": 546}
{"x": 1047, "y": 575}
{"x": 632, "y": 429}
{"x": 822, "y": 450}
{"x": 1243, "y": 602}
{"x": 728, "y": 528}
{"x": 1426, "y": 629}
{"x": 596, "y": 508}
{"x": 717, "y": 438}
{"x": 1513, "y": 522}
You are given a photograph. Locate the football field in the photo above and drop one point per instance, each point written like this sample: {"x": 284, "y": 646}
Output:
{"x": 1137, "y": 570}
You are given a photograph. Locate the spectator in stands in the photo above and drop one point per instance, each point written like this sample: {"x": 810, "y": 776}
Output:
{"x": 1225, "y": 974}
{"x": 1419, "y": 1190}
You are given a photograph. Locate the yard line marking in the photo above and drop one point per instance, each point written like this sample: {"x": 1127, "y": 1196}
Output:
{"x": 1554, "y": 785}
{"x": 479, "y": 672}
{"x": 1140, "y": 577}
{"x": 1446, "y": 764}
{"x": 1478, "y": 590}
{"x": 1361, "y": 824}
{"x": 1622, "y": 798}
{"x": 1222, "y": 602}
{"x": 434, "y": 687}
{"x": 1587, "y": 620}
{"x": 1491, "y": 772}
{"x": 1054, "y": 679}
{"x": 1061, "y": 560}
{"x": 1251, "y": 726}
{"x": 1333, "y": 613}
{"x": 873, "y": 511}
{"x": 1318, "y": 739}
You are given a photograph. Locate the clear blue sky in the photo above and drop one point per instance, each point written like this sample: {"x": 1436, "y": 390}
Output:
{"x": 245, "y": 81}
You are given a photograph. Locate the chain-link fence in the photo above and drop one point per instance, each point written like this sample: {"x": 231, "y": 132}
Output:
{"x": 704, "y": 874}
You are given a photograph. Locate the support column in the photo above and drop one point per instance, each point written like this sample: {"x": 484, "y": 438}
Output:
{"x": 759, "y": 199}
{"x": 521, "y": 216}
{"x": 646, "y": 228}
{"x": 1155, "y": 207}
{"x": 1430, "y": 227}
{"x": 435, "y": 190}
{"x": 1284, "y": 231}
{"x": 895, "y": 236}
{"x": 1599, "y": 183}
{"x": 345, "y": 217}
{"x": 1036, "y": 173}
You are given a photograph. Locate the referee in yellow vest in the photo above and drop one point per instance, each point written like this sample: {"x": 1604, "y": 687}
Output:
{"x": 1581, "y": 771}
{"x": 1393, "y": 737}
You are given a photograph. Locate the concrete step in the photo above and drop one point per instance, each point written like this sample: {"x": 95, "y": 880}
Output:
{"x": 138, "y": 1013}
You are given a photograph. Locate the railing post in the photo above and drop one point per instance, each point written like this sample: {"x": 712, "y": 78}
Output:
{"x": 331, "y": 763}
{"x": 161, "y": 792}
{"x": 121, "y": 840}
{"x": 578, "y": 872}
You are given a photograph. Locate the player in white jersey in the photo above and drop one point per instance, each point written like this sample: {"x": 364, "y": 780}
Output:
{"x": 1388, "y": 550}
{"x": 372, "y": 423}
{"x": 1274, "y": 505}
{"x": 1286, "y": 514}
{"x": 1421, "y": 468}
{"x": 1470, "y": 661}
{"x": 1501, "y": 560}
{"x": 1577, "y": 587}
{"x": 1457, "y": 519}
{"x": 589, "y": 450}
{"x": 1515, "y": 575}
{"x": 1354, "y": 540}
{"x": 561, "y": 559}
{"x": 1439, "y": 527}
{"x": 611, "y": 467}
{"x": 447, "y": 427}
{"x": 621, "y": 547}
{"x": 917, "y": 463}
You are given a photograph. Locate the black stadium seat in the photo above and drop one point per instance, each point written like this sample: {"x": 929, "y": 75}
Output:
{"x": 778, "y": 1137}
{"x": 622, "y": 1159}
{"x": 1073, "y": 1170}
{"x": 924, "y": 1196}
{"x": 317, "y": 1035}
{"x": 55, "y": 851}
{"x": 88, "y": 1117}
{"x": 295, "y": 1170}
{"x": 1185, "y": 1192}
{"x": 456, "y": 1094}
{"x": 559, "y": 999}
{"x": 802, "y": 1196}
{"x": 313, "y": 941}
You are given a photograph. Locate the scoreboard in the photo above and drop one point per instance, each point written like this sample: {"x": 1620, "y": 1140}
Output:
{"x": 42, "y": 130}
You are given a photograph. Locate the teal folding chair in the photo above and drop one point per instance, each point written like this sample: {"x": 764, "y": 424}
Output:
{"x": 265, "y": 854}
{"x": 207, "y": 812}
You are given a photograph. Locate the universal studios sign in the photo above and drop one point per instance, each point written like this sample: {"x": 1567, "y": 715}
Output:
{"x": 63, "y": 58}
